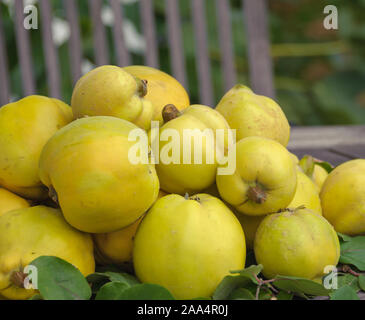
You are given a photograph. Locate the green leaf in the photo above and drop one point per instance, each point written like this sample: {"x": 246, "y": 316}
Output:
{"x": 283, "y": 295}
{"x": 344, "y": 237}
{"x": 230, "y": 283}
{"x": 36, "y": 297}
{"x": 241, "y": 294}
{"x": 111, "y": 291}
{"x": 362, "y": 282}
{"x": 114, "y": 277}
{"x": 325, "y": 165}
{"x": 353, "y": 252}
{"x": 344, "y": 293}
{"x": 60, "y": 280}
{"x": 300, "y": 286}
{"x": 121, "y": 291}
{"x": 122, "y": 277}
{"x": 348, "y": 280}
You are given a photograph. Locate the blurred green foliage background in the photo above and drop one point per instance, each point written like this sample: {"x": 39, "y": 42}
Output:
{"x": 319, "y": 73}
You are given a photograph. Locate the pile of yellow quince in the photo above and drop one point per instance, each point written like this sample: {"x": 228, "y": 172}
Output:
{"x": 71, "y": 189}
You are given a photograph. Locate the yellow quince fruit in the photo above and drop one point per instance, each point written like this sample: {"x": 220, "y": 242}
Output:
{"x": 306, "y": 194}
{"x": 112, "y": 91}
{"x": 26, "y": 126}
{"x": 265, "y": 178}
{"x": 29, "y": 233}
{"x": 89, "y": 168}
{"x": 343, "y": 197}
{"x": 162, "y": 89}
{"x": 188, "y": 245}
{"x": 10, "y": 201}
{"x": 179, "y": 136}
{"x": 298, "y": 243}
{"x": 254, "y": 115}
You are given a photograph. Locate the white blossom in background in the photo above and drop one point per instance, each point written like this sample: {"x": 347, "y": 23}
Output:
{"x": 60, "y": 31}
{"x": 134, "y": 41}
{"x": 10, "y": 4}
{"x": 86, "y": 66}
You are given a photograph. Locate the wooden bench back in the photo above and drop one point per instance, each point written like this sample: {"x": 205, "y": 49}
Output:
{"x": 254, "y": 14}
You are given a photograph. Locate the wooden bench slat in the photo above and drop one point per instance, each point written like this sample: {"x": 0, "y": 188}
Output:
{"x": 122, "y": 53}
{"x": 226, "y": 44}
{"x": 4, "y": 74}
{"x": 323, "y": 154}
{"x": 149, "y": 31}
{"x": 74, "y": 44}
{"x": 202, "y": 52}
{"x": 175, "y": 41}
{"x": 260, "y": 62}
{"x": 24, "y": 51}
{"x": 353, "y": 151}
{"x": 100, "y": 43}
{"x": 49, "y": 48}
{"x": 330, "y": 136}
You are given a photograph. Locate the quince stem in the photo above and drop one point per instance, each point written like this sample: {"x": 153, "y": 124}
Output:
{"x": 170, "y": 112}
{"x": 256, "y": 194}
{"x": 17, "y": 278}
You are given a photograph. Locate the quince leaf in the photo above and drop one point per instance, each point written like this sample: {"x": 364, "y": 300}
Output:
{"x": 348, "y": 280}
{"x": 60, "y": 280}
{"x": 353, "y": 252}
{"x": 121, "y": 291}
{"x": 362, "y": 282}
{"x": 283, "y": 295}
{"x": 344, "y": 237}
{"x": 241, "y": 294}
{"x": 300, "y": 286}
{"x": 344, "y": 293}
{"x": 325, "y": 165}
{"x": 98, "y": 279}
{"x": 243, "y": 278}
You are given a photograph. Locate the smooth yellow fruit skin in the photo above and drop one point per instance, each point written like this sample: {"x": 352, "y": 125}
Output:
{"x": 26, "y": 126}
{"x": 250, "y": 225}
{"x": 116, "y": 247}
{"x": 162, "y": 89}
{"x": 343, "y": 198}
{"x": 267, "y": 164}
{"x": 300, "y": 244}
{"x": 190, "y": 178}
{"x": 188, "y": 246}
{"x": 295, "y": 158}
{"x": 111, "y": 91}
{"x": 10, "y": 201}
{"x": 26, "y": 234}
{"x": 306, "y": 194}
{"x": 319, "y": 176}
{"x": 99, "y": 190}
{"x": 254, "y": 115}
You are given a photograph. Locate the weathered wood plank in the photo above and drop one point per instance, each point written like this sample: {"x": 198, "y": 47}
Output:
{"x": 74, "y": 45}
{"x": 322, "y": 154}
{"x": 149, "y": 31}
{"x": 175, "y": 41}
{"x": 49, "y": 49}
{"x": 260, "y": 62}
{"x": 4, "y": 74}
{"x": 122, "y": 53}
{"x": 226, "y": 43}
{"x": 327, "y": 136}
{"x": 202, "y": 52}
{"x": 24, "y": 50}
{"x": 353, "y": 151}
{"x": 100, "y": 43}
